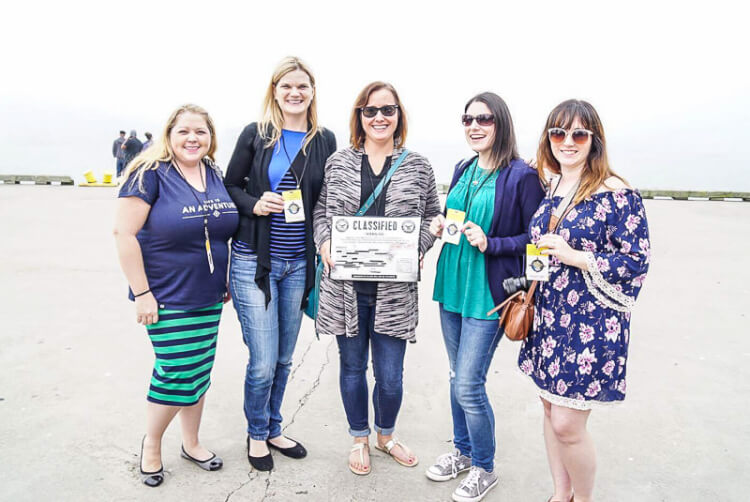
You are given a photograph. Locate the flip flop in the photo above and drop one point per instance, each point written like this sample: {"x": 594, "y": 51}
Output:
{"x": 360, "y": 447}
{"x": 389, "y": 446}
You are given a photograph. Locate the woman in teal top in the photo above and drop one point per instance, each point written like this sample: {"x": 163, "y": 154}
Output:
{"x": 495, "y": 195}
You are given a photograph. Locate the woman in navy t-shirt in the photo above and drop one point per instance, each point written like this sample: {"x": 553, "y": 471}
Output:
{"x": 173, "y": 223}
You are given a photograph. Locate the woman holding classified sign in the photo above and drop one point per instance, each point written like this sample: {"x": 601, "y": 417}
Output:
{"x": 174, "y": 220}
{"x": 275, "y": 176}
{"x": 593, "y": 227}
{"x": 490, "y": 202}
{"x": 375, "y": 177}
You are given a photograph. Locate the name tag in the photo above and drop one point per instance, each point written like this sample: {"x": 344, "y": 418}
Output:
{"x": 294, "y": 211}
{"x": 454, "y": 222}
{"x": 537, "y": 264}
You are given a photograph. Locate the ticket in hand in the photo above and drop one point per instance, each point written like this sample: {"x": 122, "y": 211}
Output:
{"x": 454, "y": 222}
{"x": 293, "y": 209}
{"x": 537, "y": 264}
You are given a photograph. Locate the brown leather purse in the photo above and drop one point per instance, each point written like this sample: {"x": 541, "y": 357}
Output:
{"x": 517, "y": 318}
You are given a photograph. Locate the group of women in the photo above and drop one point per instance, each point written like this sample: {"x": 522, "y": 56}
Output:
{"x": 176, "y": 216}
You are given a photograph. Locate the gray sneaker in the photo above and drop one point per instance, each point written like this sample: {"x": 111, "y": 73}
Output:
{"x": 475, "y": 486}
{"x": 448, "y": 466}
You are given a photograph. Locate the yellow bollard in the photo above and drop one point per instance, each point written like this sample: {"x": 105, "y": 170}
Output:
{"x": 89, "y": 175}
{"x": 107, "y": 177}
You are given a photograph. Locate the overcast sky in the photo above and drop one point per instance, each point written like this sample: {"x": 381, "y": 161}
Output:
{"x": 669, "y": 79}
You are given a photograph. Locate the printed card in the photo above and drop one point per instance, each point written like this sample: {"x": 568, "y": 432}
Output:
{"x": 537, "y": 264}
{"x": 454, "y": 222}
{"x": 293, "y": 209}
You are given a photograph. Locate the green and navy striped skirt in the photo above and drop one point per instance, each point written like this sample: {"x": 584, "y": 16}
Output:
{"x": 185, "y": 345}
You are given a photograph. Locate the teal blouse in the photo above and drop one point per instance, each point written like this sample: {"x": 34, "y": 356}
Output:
{"x": 461, "y": 281}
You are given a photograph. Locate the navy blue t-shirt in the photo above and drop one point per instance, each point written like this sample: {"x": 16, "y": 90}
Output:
{"x": 173, "y": 240}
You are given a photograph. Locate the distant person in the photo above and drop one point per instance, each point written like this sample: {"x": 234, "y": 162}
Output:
{"x": 498, "y": 193}
{"x": 599, "y": 254}
{"x": 175, "y": 263}
{"x": 131, "y": 147}
{"x": 273, "y": 260}
{"x": 373, "y": 317}
{"x": 148, "y": 142}
{"x": 119, "y": 153}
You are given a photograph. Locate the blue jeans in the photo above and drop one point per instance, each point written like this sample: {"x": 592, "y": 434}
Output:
{"x": 387, "y": 364}
{"x": 270, "y": 335}
{"x": 471, "y": 343}
{"x": 120, "y": 166}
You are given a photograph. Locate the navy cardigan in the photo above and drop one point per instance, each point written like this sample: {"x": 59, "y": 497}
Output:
{"x": 518, "y": 193}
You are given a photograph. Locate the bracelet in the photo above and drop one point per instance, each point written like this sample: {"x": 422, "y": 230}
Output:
{"x": 141, "y": 294}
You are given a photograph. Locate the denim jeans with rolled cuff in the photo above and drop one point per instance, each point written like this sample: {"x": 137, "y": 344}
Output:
{"x": 388, "y": 367}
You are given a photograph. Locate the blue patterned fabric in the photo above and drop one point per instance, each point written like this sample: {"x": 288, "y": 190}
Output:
{"x": 578, "y": 348}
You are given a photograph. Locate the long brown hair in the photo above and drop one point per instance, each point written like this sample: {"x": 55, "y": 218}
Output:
{"x": 504, "y": 148}
{"x": 596, "y": 170}
{"x": 357, "y": 132}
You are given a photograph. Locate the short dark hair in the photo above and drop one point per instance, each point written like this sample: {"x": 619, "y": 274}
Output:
{"x": 357, "y": 132}
{"x": 122, "y": 132}
{"x": 148, "y": 135}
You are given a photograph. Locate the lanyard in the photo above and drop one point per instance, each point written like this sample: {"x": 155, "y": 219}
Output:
{"x": 470, "y": 200}
{"x": 205, "y": 210}
{"x": 557, "y": 213}
{"x": 304, "y": 167}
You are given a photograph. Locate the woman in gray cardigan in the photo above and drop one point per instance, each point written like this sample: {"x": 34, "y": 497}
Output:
{"x": 380, "y": 315}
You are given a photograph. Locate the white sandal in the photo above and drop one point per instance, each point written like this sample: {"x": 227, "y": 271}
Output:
{"x": 360, "y": 447}
{"x": 389, "y": 446}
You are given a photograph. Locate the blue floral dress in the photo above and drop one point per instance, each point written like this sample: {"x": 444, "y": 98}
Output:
{"x": 578, "y": 348}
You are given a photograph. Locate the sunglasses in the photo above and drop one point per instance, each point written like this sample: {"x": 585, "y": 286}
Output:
{"x": 484, "y": 119}
{"x": 371, "y": 111}
{"x": 558, "y": 135}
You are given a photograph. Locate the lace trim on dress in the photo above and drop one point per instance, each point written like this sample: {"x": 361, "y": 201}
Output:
{"x": 567, "y": 402}
{"x": 617, "y": 299}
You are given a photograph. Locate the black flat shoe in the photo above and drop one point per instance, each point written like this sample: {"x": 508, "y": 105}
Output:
{"x": 296, "y": 451}
{"x": 213, "y": 463}
{"x": 152, "y": 479}
{"x": 264, "y": 463}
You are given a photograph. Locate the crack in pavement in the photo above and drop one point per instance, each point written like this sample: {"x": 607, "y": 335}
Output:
{"x": 268, "y": 485}
{"x": 301, "y": 361}
{"x": 242, "y": 485}
{"x": 303, "y": 400}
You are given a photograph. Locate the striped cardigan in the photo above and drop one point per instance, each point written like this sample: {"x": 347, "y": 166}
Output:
{"x": 411, "y": 192}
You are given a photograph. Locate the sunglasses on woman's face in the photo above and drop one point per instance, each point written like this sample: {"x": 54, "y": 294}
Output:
{"x": 484, "y": 119}
{"x": 371, "y": 111}
{"x": 558, "y": 135}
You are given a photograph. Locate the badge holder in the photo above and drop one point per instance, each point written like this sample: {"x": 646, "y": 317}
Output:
{"x": 454, "y": 222}
{"x": 293, "y": 208}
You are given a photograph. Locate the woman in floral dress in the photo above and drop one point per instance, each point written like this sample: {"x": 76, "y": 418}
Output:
{"x": 599, "y": 256}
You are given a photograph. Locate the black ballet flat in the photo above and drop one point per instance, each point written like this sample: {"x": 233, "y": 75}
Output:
{"x": 152, "y": 479}
{"x": 264, "y": 463}
{"x": 296, "y": 451}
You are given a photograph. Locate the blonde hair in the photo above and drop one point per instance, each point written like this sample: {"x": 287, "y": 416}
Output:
{"x": 272, "y": 121}
{"x": 161, "y": 149}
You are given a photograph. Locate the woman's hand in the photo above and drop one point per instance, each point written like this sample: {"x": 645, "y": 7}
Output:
{"x": 325, "y": 255}
{"x": 436, "y": 225}
{"x": 555, "y": 245}
{"x": 475, "y": 235}
{"x": 146, "y": 309}
{"x": 269, "y": 202}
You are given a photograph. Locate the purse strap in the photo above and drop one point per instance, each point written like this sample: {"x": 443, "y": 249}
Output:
{"x": 554, "y": 222}
{"x": 378, "y": 189}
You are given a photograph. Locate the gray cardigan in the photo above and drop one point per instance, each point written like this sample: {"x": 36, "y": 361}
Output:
{"x": 411, "y": 192}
